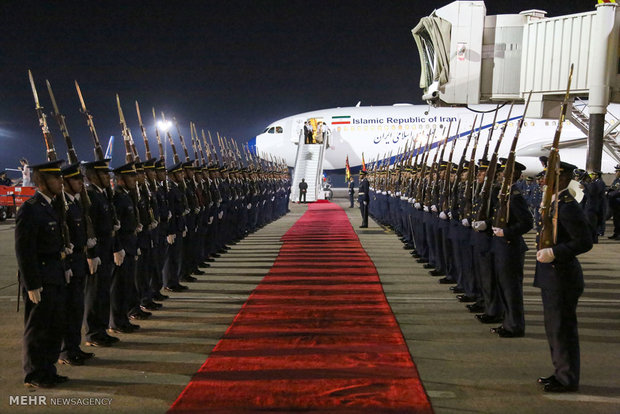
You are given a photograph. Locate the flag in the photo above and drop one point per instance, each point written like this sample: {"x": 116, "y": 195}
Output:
{"x": 363, "y": 163}
{"x": 347, "y": 172}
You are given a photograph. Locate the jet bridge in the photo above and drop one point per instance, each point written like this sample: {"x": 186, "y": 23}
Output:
{"x": 470, "y": 58}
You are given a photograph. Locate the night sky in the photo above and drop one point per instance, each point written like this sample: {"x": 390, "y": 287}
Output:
{"x": 229, "y": 66}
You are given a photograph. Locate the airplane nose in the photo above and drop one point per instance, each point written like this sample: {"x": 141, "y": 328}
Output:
{"x": 252, "y": 145}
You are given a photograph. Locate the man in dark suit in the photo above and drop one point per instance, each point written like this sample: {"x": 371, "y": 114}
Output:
{"x": 559, "y": 276}
{"x": 613, "y": 195}
{"x": 303, "y": 189}
{"x": 351, "y": 186}
{"x": 40, "y": 248}
{"x": 363, "y": 198}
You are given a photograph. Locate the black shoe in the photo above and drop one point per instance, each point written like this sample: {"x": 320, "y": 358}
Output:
{"x": 215, "y": 255}
{"x": 504, "y": 333}
{"x": 188, "y": 278}
{"x": 556, "y": 386}
{"x": 98, "y": 342}
{"x": 42, "y": 383}
{"x": 151, "y": 306}
{"x": 484, "y": 318}
{"x": 86, "y": 355}
{"x": 199, "y": 272}
{"x": 140, "y": 316}
{"x": 110, "y": 339}
{"x": 428, "y": 266}
{"x": 209, "y": 260}
{"x": 546, "y": 380}
{"x": 415, "y": 255}
{"x": 614, "y": 237}
{"x": 475, "y": 308}
{"x": 71, "y": 360}
{"x": 444, "y": 280}
{"x": 363, "y": 227}
{"x": 121, "y": 329}
{"x": 457, "y": 289}
{"x": 59, "y": 379}
{"x": 422, "y": 260}
{"x": 408, "y": 246}
{"x": 203, "y": 264}
{"x": 175, "y": 288}
{"x": 465, "y": 298}
{"x": 159, "y": 296}
{"x": 133, "y": 326}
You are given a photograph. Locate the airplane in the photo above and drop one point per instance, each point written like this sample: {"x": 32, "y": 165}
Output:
{"x": 378, "y": 131}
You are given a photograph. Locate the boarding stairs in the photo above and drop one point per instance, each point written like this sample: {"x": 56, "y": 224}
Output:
{"x": 580, "y": 117}
{"x": 308, "y": 165}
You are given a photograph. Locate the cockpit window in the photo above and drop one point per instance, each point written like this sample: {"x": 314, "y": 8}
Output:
{"x": 279, "y": 130}
{"x": 273, "y": 130}
{"x": 270, "y": 130}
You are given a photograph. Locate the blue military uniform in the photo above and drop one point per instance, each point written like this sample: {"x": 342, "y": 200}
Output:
{"x": 561, "y": 284}
{"x": 38, "y": 246}
{"x": 364, "y": 198}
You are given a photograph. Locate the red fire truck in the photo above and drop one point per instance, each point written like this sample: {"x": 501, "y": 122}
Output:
{"x": 11, "y": 198}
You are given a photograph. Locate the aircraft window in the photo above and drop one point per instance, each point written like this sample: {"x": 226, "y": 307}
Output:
{"x": 279, "y": 130}
{"x": 270, "y": 130}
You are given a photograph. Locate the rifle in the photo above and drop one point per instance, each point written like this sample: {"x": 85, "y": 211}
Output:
{"x": 471, "y": 170}
{"x": 51, "y": 156}
{"x": 491, "y": 130}
{"x": 91, "y": 125}
{"x": 176, "y": 124}
{"x": 215, "y": 154}
{"x": 548, "y": 232}
{"x": 421, "y": 177}
{"x": 144, "y": 137}
{"x": 174, "y": 149}
{"x": 503, "y": 208}
{"x": 129, "y": 154}
{"x": 446, "y": 188}
{"x": 160, "y": 146}
{"x": 459, "y": 171}
{"x": 489, "y": 178}
{"x": 73, "y": 159}
{"x": 432, "y": 190}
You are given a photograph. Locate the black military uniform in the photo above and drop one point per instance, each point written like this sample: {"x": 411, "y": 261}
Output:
{"x": 70, "y": 352}
{"x": 176, "y": 228}
{"x": 122, "y": 290}
{"x": 363, "y": 197}
{"x": 613, "y": 195}
{"x": 39, "y": 247}
{"x": 351, "y": 186}
{"x": 561, "y": 284}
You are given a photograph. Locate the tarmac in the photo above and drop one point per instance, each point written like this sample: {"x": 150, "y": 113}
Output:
{"x": 463, "y": 367}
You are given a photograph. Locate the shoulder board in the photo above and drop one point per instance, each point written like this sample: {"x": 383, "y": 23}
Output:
{"x": 567, "y": 198}
{"x": 516, "y": 191}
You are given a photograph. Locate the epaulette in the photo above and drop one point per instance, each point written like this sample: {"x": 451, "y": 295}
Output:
{"x": 567, "y": 198}
{"x": 516, "y": 192}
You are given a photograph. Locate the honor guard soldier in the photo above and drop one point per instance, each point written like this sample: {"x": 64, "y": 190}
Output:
{"x": 100, "y": 257}
{"x": 176, "y": 229}
{"x": 71, "y": 354}
{"x": 559, "y": 276}
{"x": 351, "y": 186}
{"x": 163, "y": 215}
{"x": 509, "y": 257}
{"x": 122, "y": 291}
{"x": 613, "y": 195}
{"x": 364, "y": 198}
{"x": 40, "y": 247}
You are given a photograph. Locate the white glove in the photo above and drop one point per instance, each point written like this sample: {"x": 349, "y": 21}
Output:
{"x": 119, "y": 257}
{"x": 465, "y": 222}
{"x": 443, "y": 216}
{"x": 211, "y": 204}
{"x": 92, "y": 242}
{"x": 68, "y": 275}
{"x": 169, "y": 215}
{"x": 186, "y": 212}
{"x": 479, "y": 225}
{"x": 197, "y": 210}
{"x": 138, "y": 252}
{"x": 499, "y": 232}
{"x": 220, "y": 215}
{"x": 450, "y": 215}
{"x": 117, "y": 226}
{"x": 249, "y": 206}
{"x": 153, "y": 225}
{"x": 139, "y": 228}
{"x": 170, "y": 238}
{"x": 417, "y": 205}
{"x": 69, "y": 249}
{"x": 210, "y": 219}
{"x": 365, "y": 203}
{"x": 93, "y": 264}
{"x": 410, "y": 200}
{"x": 184, "y": 234}
{"x": 545, "y": 255}
{"x": 426, "y": 210}
{"x": 35, "y": 295}
{"x": 434, "y": 208}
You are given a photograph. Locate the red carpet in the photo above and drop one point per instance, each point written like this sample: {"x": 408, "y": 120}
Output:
{"x": 317, "y": 335}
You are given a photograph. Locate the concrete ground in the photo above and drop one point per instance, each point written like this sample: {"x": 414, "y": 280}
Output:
{"x": 463, "y": 367}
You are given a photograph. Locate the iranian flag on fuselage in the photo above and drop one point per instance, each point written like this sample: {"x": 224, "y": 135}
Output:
{"x": 341, "y": 120}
